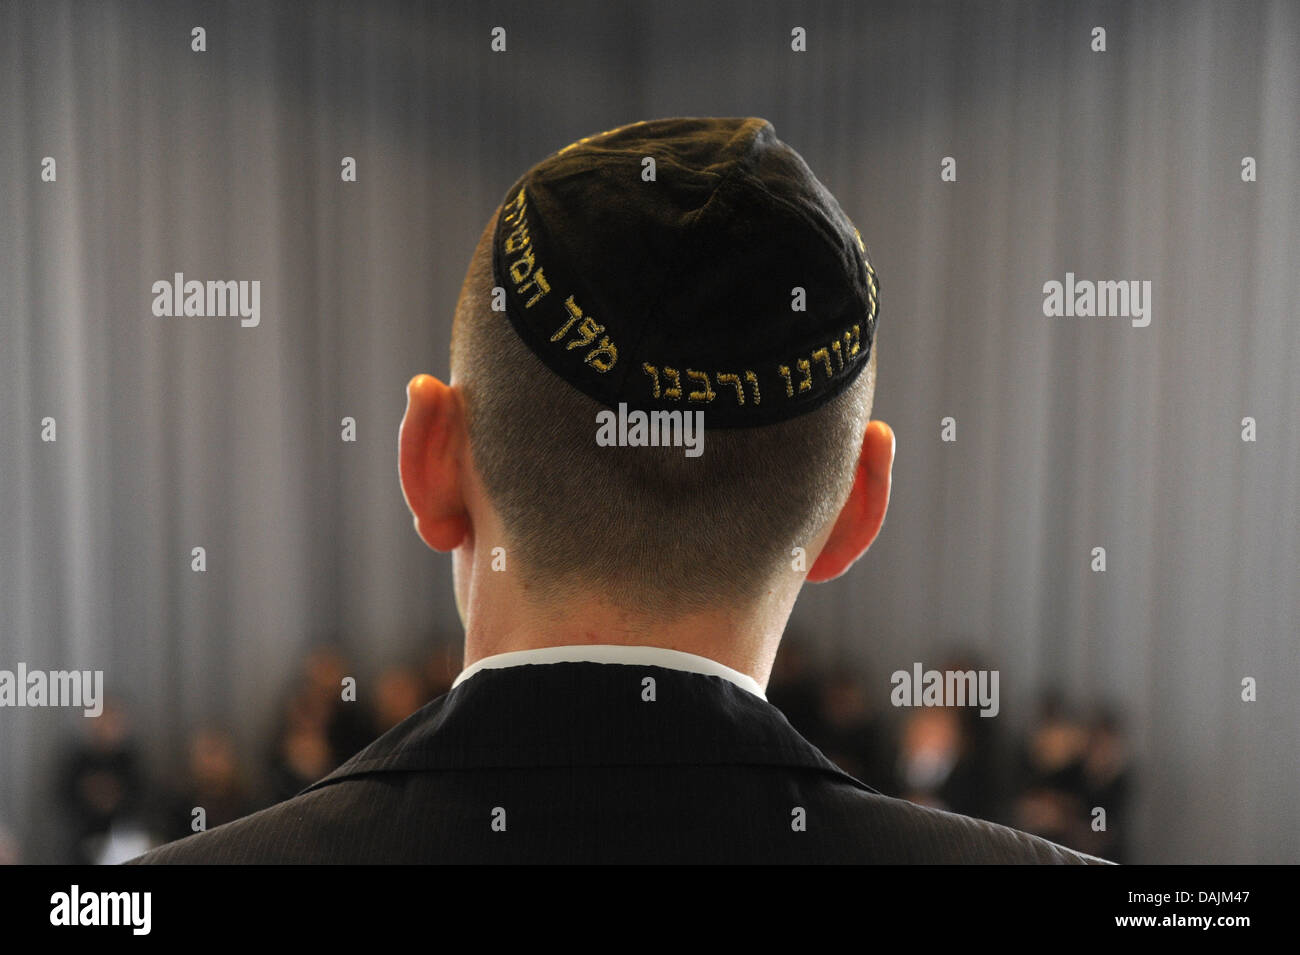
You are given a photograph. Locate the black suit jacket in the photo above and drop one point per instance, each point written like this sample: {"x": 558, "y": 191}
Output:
{"x": 573, "y": 763}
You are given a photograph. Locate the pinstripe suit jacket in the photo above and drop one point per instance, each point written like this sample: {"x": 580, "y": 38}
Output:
{"x": 572, "y": 763}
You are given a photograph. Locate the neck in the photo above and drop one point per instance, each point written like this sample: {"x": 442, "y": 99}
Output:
{"x": 500, "y": 620}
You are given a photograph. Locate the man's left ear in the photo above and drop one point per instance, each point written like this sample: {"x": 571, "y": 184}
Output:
{"x": 431, "y": 445}
{"x": 863, "y": 513}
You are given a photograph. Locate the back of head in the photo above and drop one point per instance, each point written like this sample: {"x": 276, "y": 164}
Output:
{"x": 729, "y": 282}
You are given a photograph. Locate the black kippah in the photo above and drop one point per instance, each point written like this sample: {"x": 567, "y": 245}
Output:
{"x": 678, "y": 292}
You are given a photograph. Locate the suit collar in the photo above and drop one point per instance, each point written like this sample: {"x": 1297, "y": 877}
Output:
{"x": 589, "y": 714}
{"x": 610, "y": 653}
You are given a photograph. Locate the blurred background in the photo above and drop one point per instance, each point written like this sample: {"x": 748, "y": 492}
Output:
{"x": 1120, "y": 689}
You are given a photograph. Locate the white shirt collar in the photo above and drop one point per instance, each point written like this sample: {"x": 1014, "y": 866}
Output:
{"x": 607, "y": 653}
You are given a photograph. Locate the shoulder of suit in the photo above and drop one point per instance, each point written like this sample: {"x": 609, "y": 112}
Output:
{"x": 292, "y": 831}
{"x": 923, "y": 834}
{"x": 332, "y": 824}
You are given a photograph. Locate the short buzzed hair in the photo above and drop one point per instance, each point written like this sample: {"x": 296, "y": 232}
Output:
{"x": 652, "y": 529}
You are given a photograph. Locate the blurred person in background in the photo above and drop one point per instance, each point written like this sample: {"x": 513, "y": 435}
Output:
{"x": 102, "y": 789}
{"x": 302, "y": 752}
{"x": 1108, "y": 773}
{"x": 1053, "y": 787}
{"x": 947, "y": 755}
{"x": 851, "y": 733}
{"x": 212, "y": 781}
{"x": 796, "y": 687}
{"x": 347, "y": 725}
{"x": 931, "y": 745}
{"x": 399, "y": 692}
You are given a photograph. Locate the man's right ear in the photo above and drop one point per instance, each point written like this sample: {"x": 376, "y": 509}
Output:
{"x": 431, "y": 446}
{"x": 863, "y": 513}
